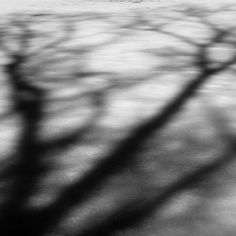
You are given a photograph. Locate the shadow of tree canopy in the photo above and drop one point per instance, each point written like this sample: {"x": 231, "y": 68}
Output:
{"x": 79, "y": 165}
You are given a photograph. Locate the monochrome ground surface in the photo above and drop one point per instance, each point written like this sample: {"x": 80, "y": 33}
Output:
{"x": 118, "y": 119}
{"x": 97, "y": 5}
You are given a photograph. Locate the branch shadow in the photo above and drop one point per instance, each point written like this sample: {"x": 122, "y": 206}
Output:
{"x": 29, "y": 101}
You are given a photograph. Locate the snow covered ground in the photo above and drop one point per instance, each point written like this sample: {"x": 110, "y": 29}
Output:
{"x": 109, "y": 72}
{"x": 7, "y": 6}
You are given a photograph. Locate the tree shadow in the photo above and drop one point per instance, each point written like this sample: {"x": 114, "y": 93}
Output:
{"x": 29, "y": 103}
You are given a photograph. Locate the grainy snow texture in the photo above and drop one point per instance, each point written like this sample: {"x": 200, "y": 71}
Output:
{"x": 117, "y": 118}
{"x": 113, "y": 5}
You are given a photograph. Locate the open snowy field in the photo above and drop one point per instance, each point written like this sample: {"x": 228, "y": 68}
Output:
{"x": 117, "y": 119}
{"x": 93, "y": 5}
